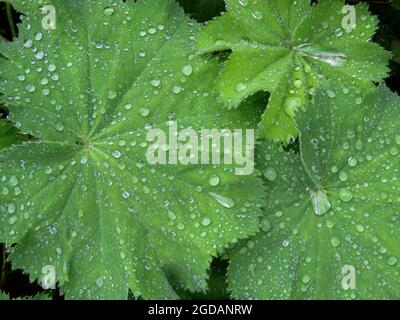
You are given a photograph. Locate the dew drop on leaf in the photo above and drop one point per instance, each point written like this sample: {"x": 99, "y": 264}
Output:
{"x": 187, "y": 70}
{"x": 270, "y": 174}
{"x": 206, "y": 221}
{"x": 222, "y": 200}
{"x": 214, "y": 180}
{"x": 266, "y": 225}
{"x": 345, "y": 195}
{"x": 320, "y": 202}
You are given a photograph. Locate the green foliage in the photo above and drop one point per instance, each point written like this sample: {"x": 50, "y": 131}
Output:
{"x": 333, "y": 205}
{"x": 8, "y": 135}
{"x": 82, "y": 195}
{"x": 4, "y": 296}
{"x": 287, "y": 48}
{"x": 318, "y": 219}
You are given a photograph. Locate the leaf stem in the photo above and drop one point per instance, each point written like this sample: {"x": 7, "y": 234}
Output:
{"x": 11, "y": 20}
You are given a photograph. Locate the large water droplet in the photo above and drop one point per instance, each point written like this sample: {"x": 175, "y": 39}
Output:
{"x": 391, "y": 261}
{"x": 187, "y": 70}
{"x": 214, "y": 180}
{"x": 224, "y": 201}
{"x": 320, "y": 202}
{"x": 206, "y": 221}
{"x": 270, "y": 174}
{"x": 345, "y": 195}
{"x": 331, "y": 57}
{"x": 108, "y": 11}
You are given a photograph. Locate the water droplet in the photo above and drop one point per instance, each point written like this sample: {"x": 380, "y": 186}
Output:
{"x": 298, "y": 83}
{"x": 335, "y": 242}
{"x": 84, "y": 160}
{"x": 257, "y": 15}
{"x": 397, "y": 139}
{"x": 345, "y": 195}
{"x": 177, "y": 89}
{"x": 352, "y": 162}
{"x": 108, "y": 11}
{"x": 391, "y": 261}
{"x": 144, "y": 112}
{"x": 331, "y": 94}
{"x": 13, "y": 181}
{"x": 214, "y": 180}
{"x": 11, "y": 208}
{"x": 343, "y": 176}
{"x": 111, "y": 94}
{"x": 206, "y": 221}
{"x": 59, "y": 127}
{"x": 243, "y": 2}
{"x": 171, "y": 215}
{"x": 52, "y": 67}
{"x": 320, "y": 202}
{"x": 224, "y": 201}
{"x": 116, "y": 154}
{"x": 30, "y": 88}
{"x": 128, "y": 106}
{"x": 155, "y": 83}
{"x": 187, "y": 70}
{"x": 28, "y": 43}
{"x": 335, "y": 59}
{"x": 180, "y": 226}
{"x": 266, "y": 225}
{"x": 125, "y": 194}
{"x": 12, "y": 220}
{"x": 306, "y": 279}
{"x": 270, "y": 174}
{"x": 360, "y": 228}
{"x": 100, "y": 282}
{"x": 240, "y": 87}
{"x": 338, "y": 32}
{"x": 394, "y": 151}
{"x": 38, "y": 36}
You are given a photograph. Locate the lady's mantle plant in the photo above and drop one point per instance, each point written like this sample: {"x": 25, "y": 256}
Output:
{"x": 81, "y": 197}
{"x": 289, "y": 47}
{"x": 76, "y": 191}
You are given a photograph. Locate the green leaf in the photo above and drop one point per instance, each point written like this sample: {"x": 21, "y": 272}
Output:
{"x": 8, "y": 134}
{"x": 288, "y": 47}
{"x": 217, "y": 284}
{"x": 82, "y": 198}
{"x": 4, "y": 296}
{"x": 332, "y": 209}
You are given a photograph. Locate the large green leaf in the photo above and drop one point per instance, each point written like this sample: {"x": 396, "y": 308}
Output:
{"x": 82, "y": 198}
{"x": 333, "y": 208}
{"x": 288, "y": 47}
